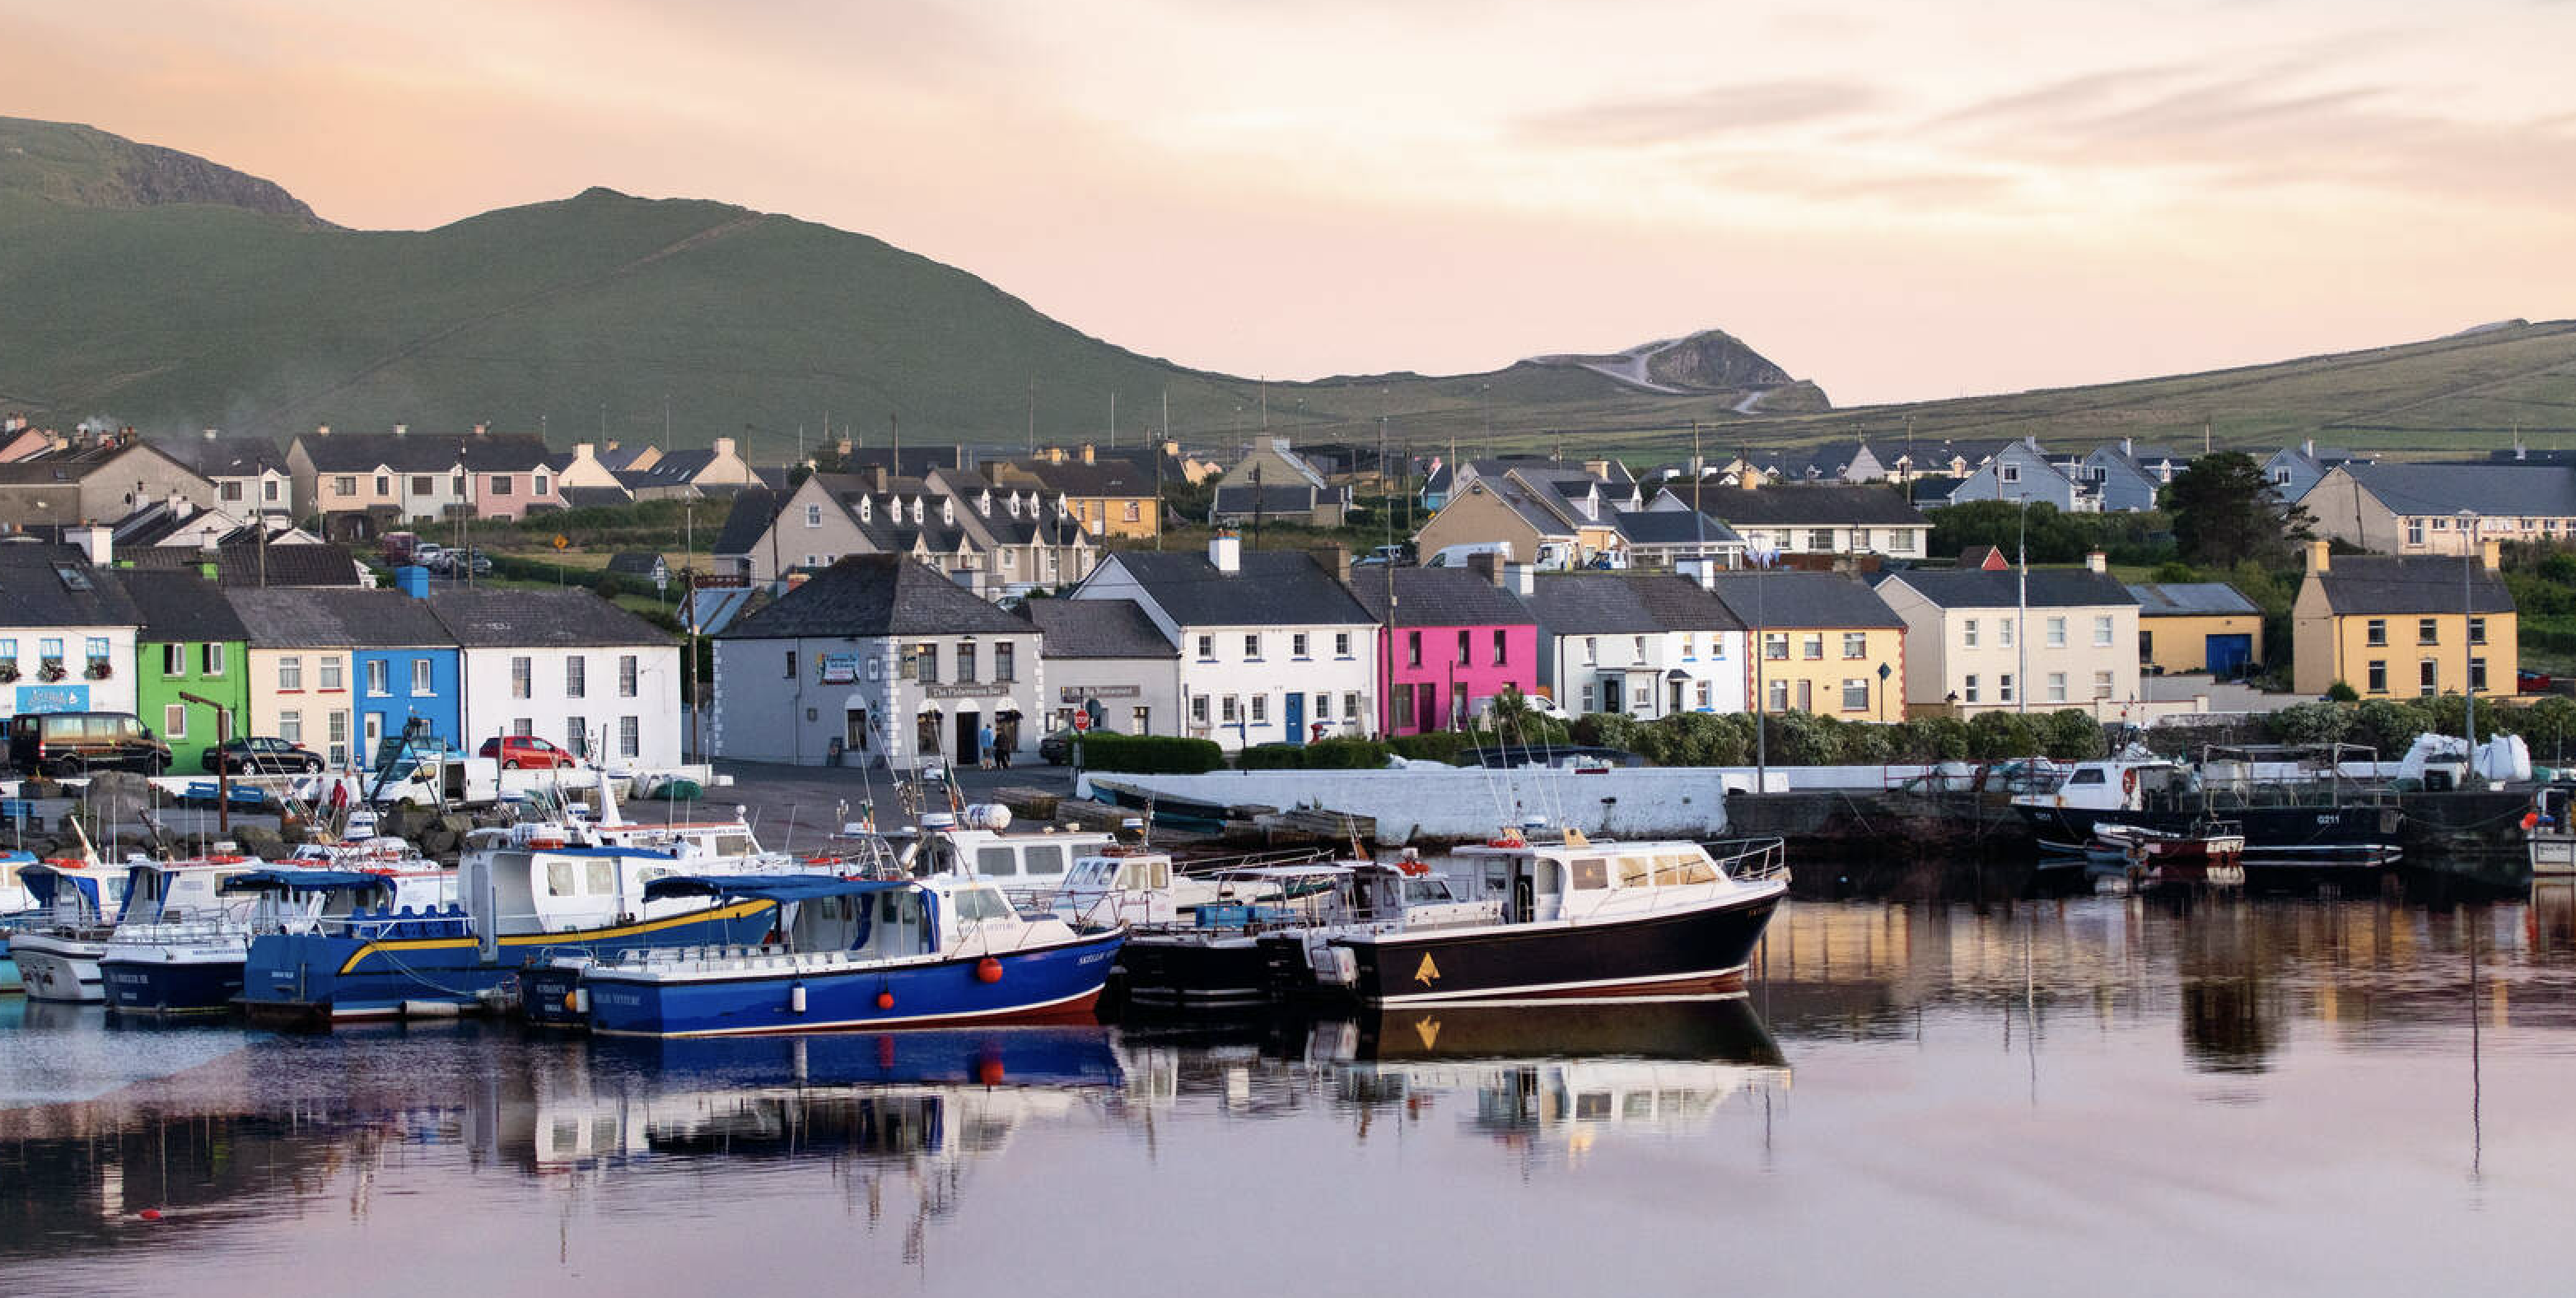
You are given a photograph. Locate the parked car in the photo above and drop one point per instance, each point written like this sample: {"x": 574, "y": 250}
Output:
{"x": 518, "y": 752}
{"x": 260, "y": 755}
{"x": 1057, "y": 749}
{"x": 428, "y": 554}
{"x": 2527, "y": 681}
{"x": 1549, "y": 755}
{"x": 1384, "y": 555}
{"x": 75, "y": 743}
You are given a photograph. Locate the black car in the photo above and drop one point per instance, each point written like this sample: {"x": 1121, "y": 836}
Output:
{"x": 1057, "y": 749}
{"x": 258, "y": 755}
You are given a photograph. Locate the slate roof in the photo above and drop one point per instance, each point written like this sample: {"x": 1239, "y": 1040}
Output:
{"x": 1813, "y": 506}
{"x": 634, "y": 563}
{"x": 588, "y": 497}
{"x": 753, "y": 512}
{"x": 1098, "y": 628}
{"x": 618, "y": 459}
{"x": 1672, "y": 527}
{"x": 2494, "y": 490}
{"x": 2190, "y": 599}
{"x": 1613, "y": 603}
{"x": 34, "y": 591}
{"x": 2049, "y": 588}
{"x": 1804, "y": 599}
{"x": 74, "y": 463}
{"x": 1440, "y": 597}
{"x": 1297, "y": 498}
{"x": 425, "y": 452}
{"x": 319, "y": 618}
{"x": 180, "y": 605}
{"x": 2411, "y": 584}
{"x": 1272, "y": 587}
{"x": 229, "y": 457}
{"x": 541, "y": 619}
{"x": 877, "y": 595}
{"x": 241, "y": 565}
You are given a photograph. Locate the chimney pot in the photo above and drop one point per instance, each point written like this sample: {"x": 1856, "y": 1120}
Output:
{"x": 400, "y": 429}
{"x": 2096, "y": 561}
{"x": 2320, "y": 556}
{"x": 322, "y": 430}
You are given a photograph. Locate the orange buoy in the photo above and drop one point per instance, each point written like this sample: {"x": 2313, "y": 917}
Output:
{"x": 988, "y": 970}
{"x": 885, "y": 1000}
{"x": 988, "y": 1070}
{"x": 2530, "y": 820}
{"x": 151, "y": 1214}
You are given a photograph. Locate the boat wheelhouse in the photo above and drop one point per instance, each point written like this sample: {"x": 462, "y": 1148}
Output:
{"x": 2299, "y": 807}
{"x": 17, "y": 906}
{"x": 1030, "y": 866}
{"x": 195, "y": 965}
{"x": 857, "y": 954}
{"x": 2548, "y": 832}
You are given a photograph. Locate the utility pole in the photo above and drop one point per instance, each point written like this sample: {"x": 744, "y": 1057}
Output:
{"x": 223, "y": 767}
{"x": 1158, "y": 466}
{"x": 689, "y": 592}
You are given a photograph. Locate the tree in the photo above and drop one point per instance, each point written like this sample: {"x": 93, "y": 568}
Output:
{"x": 2224, "y": 512}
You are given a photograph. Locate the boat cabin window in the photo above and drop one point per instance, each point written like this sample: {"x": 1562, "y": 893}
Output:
{"x": 1421, "y": 892}
{"x": 1044, "y": 858}
{"x": 603, "y": 878}
{"x": 1589, "y": 872}
{"x": 973, "y": 904}
{"x": 1140, "y": 875}
{"x": 996, "y": 862}
{"x": 561, "y": 880}
{"x": 733, "y": 845}
{"x": 1683, "y": 867}
{"x": 1635, "y": 871}
{"x": 2088, "y": 775}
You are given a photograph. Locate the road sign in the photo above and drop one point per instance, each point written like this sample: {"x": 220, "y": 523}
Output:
{"x": 562, "y": 542}
{"x": 1081, "y": 720}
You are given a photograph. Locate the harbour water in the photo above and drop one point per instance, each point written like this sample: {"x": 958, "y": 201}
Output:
{"x": 2107, "y": 1096}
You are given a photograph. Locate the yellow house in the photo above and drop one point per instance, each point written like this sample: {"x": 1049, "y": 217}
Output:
{"x": 1110, "y": 494}
{"x": 2394, "y": 626}
{"x": 2203, "y": 626}
{"x": 1826, "y": 644}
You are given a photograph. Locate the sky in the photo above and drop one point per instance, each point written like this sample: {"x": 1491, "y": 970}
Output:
{"x": 1900, "y": 200}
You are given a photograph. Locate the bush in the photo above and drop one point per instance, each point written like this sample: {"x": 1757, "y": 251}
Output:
{"x": 609, "y": 586}
{"x": 1608, "y": 730}
{"x": 2389, "y": 725}
{"x": 2341, "y": 692}
{"x": 1270, "y": 757}
{"x": 1151, "y": 754}
{"x": 1345, "y": 753}
{"x": 1437, "y": 746}
{"x": 2312, "y": 723}
{"x": 1930, "y": 739}
{"x": 1994, "y": 736}
{"x": 2073, "y": 735}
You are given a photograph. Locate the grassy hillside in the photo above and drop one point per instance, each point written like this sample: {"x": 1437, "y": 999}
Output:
{"x": 161, "y": 290}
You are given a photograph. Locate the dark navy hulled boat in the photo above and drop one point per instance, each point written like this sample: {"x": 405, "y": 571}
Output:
{"x": 196, "y": 966}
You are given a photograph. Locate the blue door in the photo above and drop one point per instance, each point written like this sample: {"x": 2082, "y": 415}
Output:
{"x": 1296, "y": 717}
{"x": 2228, "y": 654}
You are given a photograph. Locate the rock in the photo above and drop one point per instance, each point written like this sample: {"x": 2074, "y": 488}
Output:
{"x": 260, "y": 841}
{"x": 117, "y": 798}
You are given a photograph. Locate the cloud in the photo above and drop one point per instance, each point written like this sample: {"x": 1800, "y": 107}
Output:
{"x": 1701, "y": 115}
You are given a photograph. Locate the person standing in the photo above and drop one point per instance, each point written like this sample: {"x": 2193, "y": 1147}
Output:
{"x": 984, "y": 746}
{"x": 1003, "y": 740}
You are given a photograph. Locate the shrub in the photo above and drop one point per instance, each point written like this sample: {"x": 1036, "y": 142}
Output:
{"x": 2312, "y": 723}
{"x": 1150, "y": 754}
{"x": 1437, "y": 746}
{"x": 2389, "y": 725}
{"x": 1994, "y": 736}
{"x": 1608, "y": 730}
{"x": 2072, "y": 735}
{"x": 1345, "y": 753}
{"x": 2340, "y": 692}
{"x": 1930, "y": 739}
{"x": 1270, "y": 757}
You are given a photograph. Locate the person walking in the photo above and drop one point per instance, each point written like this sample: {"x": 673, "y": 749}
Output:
{"x": 984, "y": 747}
{"x": 1002, "y": 742}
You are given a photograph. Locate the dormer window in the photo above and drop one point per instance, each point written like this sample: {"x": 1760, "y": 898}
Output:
{"x": 867, "y": 510}
{"x": 984, "y": 504}
{"x": 1015, "y": 504}
{"x": 948, "y": 509}
{"x": 919, "y": 513}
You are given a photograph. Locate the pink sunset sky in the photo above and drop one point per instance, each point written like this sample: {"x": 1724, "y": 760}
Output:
{"x": 1900, "y": 200}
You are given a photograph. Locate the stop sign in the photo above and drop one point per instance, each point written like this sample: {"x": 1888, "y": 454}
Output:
{"x": 1081, "y": 720}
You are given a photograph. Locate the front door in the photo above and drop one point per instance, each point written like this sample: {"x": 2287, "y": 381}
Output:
{"x": 968, "y": 723}
{"x": 925, "y": 736}
{"x": 1296, "y": 717}
{"x": 372, "y": 726}
{"x": 854, "y": 730}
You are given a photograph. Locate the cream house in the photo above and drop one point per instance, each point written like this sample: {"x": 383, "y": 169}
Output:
{"x": 1982, "y": 640}
{"x": 2403, "y": 508}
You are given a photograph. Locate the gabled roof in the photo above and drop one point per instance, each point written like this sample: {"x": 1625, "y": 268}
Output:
{"x": 1272, "y": 587}
{"x": 1296, "y": 498}
{"x": 877, "y": 595}
{"x": 1098, "y": 628}
{"x": 753, "y": 513}
{"x": 1803, "y": 599}
{"x": 228, "y": 457}
{"x": 2190, "y": 599}
{"x": 238, "y": 565}
{"x": 2419, "y": 585}
{"x": 617, "y": 459}
{"x": 634, "y": 563}
{"x": 54, "y": 585}
{"x": 1817, "y": 505}
{"x": 2049, "y": 588}
{"x": 1673, "y": 527}
{"x": 1550, "y": 518}
{"x": 2496, "y": 490}
{"x": 1609, "y": 603}
{"x": 177, "y": 604}
{"x": 320, "y": 618}
{"x": 539, "y": 619}
{"x": 1439, "y": 597}
{"x": 76, "y": 463}
{"x": 591, "y": 497}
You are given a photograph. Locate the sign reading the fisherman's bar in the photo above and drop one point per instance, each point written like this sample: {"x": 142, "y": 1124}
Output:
{"x": 969, "y": 691}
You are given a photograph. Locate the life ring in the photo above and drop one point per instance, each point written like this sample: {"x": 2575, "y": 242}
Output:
{"x": 1508, "y": 838}
{"x": 2129, "y": 783}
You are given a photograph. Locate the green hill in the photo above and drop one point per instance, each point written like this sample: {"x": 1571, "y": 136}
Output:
{"x": 162, "y": 290}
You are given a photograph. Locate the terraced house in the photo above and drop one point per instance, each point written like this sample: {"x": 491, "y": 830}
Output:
{"x": 1823, "y": 642}
{"x": 2404, "y": 625}
{"x": 1981, "y": 641}
{"x": 191, "y": 642}
{"x": 2414, "y": 508}
{"x": 364, "y": 484}
{"x": 1647, "y": 645}
{"x": 67, "y": 631}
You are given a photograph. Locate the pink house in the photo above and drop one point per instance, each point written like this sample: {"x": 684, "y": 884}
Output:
{"x": 1457, "y": 637}
{"x": 511, "y": 472}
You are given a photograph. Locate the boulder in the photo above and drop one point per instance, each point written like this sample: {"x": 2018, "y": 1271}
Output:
{"x": 117, "y": 798}
{"x": 260, "y": 841}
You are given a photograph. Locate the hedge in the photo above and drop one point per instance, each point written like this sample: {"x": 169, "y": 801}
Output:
{"x": 1150, "y": 754}
{"x": 1338, "y": 754}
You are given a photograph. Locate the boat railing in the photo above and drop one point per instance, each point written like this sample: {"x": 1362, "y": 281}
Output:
{"x": 200, "y": 928}
{"x": 1750, "y": 860}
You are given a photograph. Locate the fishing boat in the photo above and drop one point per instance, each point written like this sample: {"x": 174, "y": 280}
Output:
{"x": 1030, "y": 866}
{"x": 856, "y": 954}
{"x": 2299, "y": 808}
{"x": 61, "y": 959}
{"x": 2211, "y": 853}
{"x": 1576, "y": 917}
{"x": 2550, "y": 837}
{"x": 17, "y": 906}
{"x": 1216, "y": 958}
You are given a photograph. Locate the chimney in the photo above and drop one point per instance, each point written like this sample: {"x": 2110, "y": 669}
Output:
{"x": 211, "y": 434}
{"x": 482, "y": 430}
{"x": 2096, "y": 561}
{"x": 1700, "y": 570}
{"x": 2320, "y": 556}
{"x": 1335, "y": 559}
{"x": 2128, "y": 446}
{"x": 321, "y": 430}
{"x": 724, "y": 447}
{"x": 413, "y": 580}
{"x": 2309, "y": 448}
{"x": 95, "y": 540}
{"x": 1521, "y": 579}
{"x": 1597, "y": 468}
{"x": 2491, "y": 553}
{"x": 1087, "y": 452}
{"x": 1225, "y": 551}
{"x": 584, "y": 451}
{"x": 400, "y": 429}
{"x": 1487, "y": 565}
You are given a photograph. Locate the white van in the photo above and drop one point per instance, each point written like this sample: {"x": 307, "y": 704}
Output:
{"x": 1456, "y": 556}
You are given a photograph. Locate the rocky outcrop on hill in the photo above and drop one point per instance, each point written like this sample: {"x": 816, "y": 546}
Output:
{"x": 81, "y": 166}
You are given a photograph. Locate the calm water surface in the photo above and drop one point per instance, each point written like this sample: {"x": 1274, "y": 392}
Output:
{"x": 2104, "y": 1096}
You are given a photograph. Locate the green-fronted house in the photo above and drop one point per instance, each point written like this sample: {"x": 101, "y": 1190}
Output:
{"x": 191, "y": 641}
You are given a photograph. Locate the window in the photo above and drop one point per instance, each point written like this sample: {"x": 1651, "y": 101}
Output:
{"x": 500, "y": 484}
{"x": 627, "y": 670}
{"x": 268, "y": 489}
{"x": 97, "y": 648}
{"x": 1591, "y": 650}
{"x": 1498, "y": 647}
{"x": 1587, "y": 698}
{"x": 174, "y": 660}
{"x": 457, "y": 488}
{"x": 1968, "y": 633}
{"x": 965, "y": 664}
{"x": 1351, "y": 706}
{"x": 345, "y": 484}
{"x": 1252, "y": 647}
{"x": 210, "y": 658}
{"x": 290, "y": 673}
{"x": 422, "y": 485}
{"x": 1688, "y": 642}
{"x": 2004, "y": 687}
{"x": 523, "y": 727}
{"x": 523, "y": 673}
{"x": 1231, "y": 708}
{"x": 2057, "y": 687}
{"x": 537, "y": 485}
{"x": 2424, "y": 677}
{"x": 1812, "y": 646}
{"x": 2378, "y": 675}
{"x": 232, "y": 491}
{"x": 577, "y": 674}
{"x": 2414, "y": 531}
{"x": 924, "y": 663}
{"x": 1260, "y": 709}
{"x": 1412, "y": 648}
{"x": 2056, "y": 633}
{"x": 1855, "y": 694}
{"x": 1775, "y": 646}
{"x": 333, "y": 675}
{"x": 379, "y": 673}
{"x": 1970, "y": 694}
{"x": 2004, "y": 632}
{"x": 2101, "y": 632}
{"x": 1003, "y": 669}
{"x": 1341, "y": 644}
{"x": 174, "y": 721}
{"x": 2101, "y": 685}
{"x": 1207, "y": 648}
{"x": 2477, "y": 630}
{"x": 1462, "y": 648}
{"x": 1860, "y": 538}
{"x": 1779, "y": 696}
{"x": 2478, "y": 675}
{"x": 1297, "y": 645}
{"x": 2375, "y": 632}
{"x": 813, "y": 516}
{"x": 50, "y": 647}
{"x": 577, "y": 734}
{"x": 420, "y": 677}
{"x": 337, "y": 728}
{"x": 2428, "y": 631}
{"x": 2008, "y": 473}
{"x": 1636, "y": 649}
{"x": 8, "y": 650}
{"x": 630, "y": 737}
{"x": 788, "y": 674}
{"x": 1703, "y": 696}
{"x": 290, "y": 727}
{"x": 1855, "y": 644}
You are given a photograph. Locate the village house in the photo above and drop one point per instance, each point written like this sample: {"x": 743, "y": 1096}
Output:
{"x": 1271, "y": 481}
{"x": 101, "y": 478}
{"x": 2404, "y": 625}
{"x": 1454, "y": 639}
{"x": 2414, "y": 508}
{"x": 2023, "y": 473}
{"x": 1108, "y": 658}
{"x": 248, "y": 474}
{"x": 717, "y": 470}
{"x": 875, "y": 660}
{"x": 1825, "y": 641}
{"x": 1273, "y": 648}
{"x": 995, "y": 540}
{"x": 365, "y": 484}
{"x": 67, "y": 629}
{"x": 190, "y": 642}
{"x": 1647, "y": 645}
{"x": 2294, "y": 471}
{"x": 2205, "y": 626}
{"x": 1111, "y": 495}
{"x": 1816, "y": 522}
{"x": 340, "y": 670}
{"x": 1970, "y": 637}
{"x": 565, "y": 665}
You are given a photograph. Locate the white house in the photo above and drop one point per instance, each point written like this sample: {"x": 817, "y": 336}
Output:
{"x": 1818, "y": 519}
{"x": 1977, "y": 640}
{"x": 561, "y": 664}
{"x": 1649, "y": 646}
{"x": 66, "y": 631}
{"x": 2022, "y": 472}
{"x": 1109, "y": 653}
{"x": 1272, "y": 647}
{"x": 875, "y": 659}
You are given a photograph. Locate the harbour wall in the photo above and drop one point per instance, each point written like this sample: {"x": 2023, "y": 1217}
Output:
{"x": 1417, "y": 807}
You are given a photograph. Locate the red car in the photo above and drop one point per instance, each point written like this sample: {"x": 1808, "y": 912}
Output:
{"x": 526, "y": 751}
